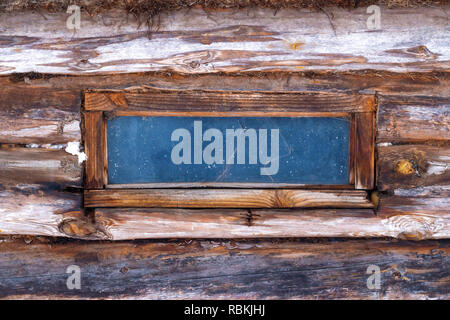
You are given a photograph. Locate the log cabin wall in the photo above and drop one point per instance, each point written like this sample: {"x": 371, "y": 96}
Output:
{"x": 46, "y": 68}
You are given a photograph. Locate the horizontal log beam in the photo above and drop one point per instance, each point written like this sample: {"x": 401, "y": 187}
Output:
{"x": 412, "y": 166}
{"x": 54, "y": 168}
{"x": 413, "y": 119}
{"x": 226, "y": 198}
{"x": 49, "y": 112}
{"x": 34, "y": 210}
{"x": 292, "y": 269}
{"x": 198, "y": 42}
{"x": 126, "y": 224}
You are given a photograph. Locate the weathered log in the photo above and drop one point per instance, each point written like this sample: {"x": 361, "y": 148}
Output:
{"x": 49, "y": 112}
{"x": 39, "y": 190}
{"x": 126, "y": 224}
{"x": 413, "y": 119}
{"x": 225, "y": 269}
{"x": 411, "y": 166}
{"x": 34, "y": 210}
{"x": 39, "y": 166}
{"x": 196, "y": 41}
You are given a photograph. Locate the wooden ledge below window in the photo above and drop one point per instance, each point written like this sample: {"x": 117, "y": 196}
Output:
{"x": 226, "y": 198}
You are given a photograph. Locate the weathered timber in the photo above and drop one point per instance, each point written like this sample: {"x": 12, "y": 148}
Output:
{"x": 95, "y": 143}
{"x": 38, "y": 115}
{"x": 126, "y": 224}
{"x": 202, "y": 101}
{"x": 49, "y": 112}
{"x": 278, "y": 269}
{"x": 364, "y": 150}
{"x": 413, "y": 119}
{"x": 196, "y": 41}
{"x": 226, "y": 198}
{"x": 410, "y": 166}
{"x": 56, "y": 168}
{"x": 418, "y": 215}
{"x": 427, "y": 201}
{"x": 35, "y": 210}
{"x": 38, "y": 191}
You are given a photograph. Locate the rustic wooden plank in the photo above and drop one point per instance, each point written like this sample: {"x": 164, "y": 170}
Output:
{"x": 34, "y": 210}
{"x": 432, "y": 200}
{"x": 365, "y": 150}
{"x": 416, "y": 213}
{"x": 95, "y": 144}
{"x": 276, "y": 269}
{"x": 38, "y": 115}
{"x": 413, "y": 119}
{"x": 126, "y": 224}
{"x": 196, "y": 41}
{"x": 410, "y": 166}
{"x": 62, "y": 90}
{"x": 226, "y": 198}
{"x": 39, "y": 192}
{"x": 48, "y": 167}
{"x": 192, "y": 101}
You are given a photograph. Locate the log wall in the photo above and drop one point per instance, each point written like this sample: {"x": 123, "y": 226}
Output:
{"x": 45, "y": 70}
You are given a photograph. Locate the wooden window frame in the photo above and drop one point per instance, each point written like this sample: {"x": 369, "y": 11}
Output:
{"x": 101, "y": 105}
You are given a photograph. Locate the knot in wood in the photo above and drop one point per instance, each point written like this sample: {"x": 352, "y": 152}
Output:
{"x": 404, "y": 167}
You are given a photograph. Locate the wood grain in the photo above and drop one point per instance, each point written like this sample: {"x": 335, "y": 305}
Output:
{"x": 411, "y": 166}
{"x": 126, "y": 224}
{"x": 48, "y": 167}
{"x": 198, "y": 42}
{"x": 220, "y": 269}
{"x": 49, "y": 112}
{"x": 413, "y": 119}
{"x": 226, "y": 198}
{"x": 43, "y": 211}
{"x": 95, "y": 144}
{"x": 172, "y": 102}
{"x": 365, "y": 150}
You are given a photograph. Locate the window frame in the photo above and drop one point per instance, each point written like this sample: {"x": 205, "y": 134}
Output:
{"x": 100, "y": 105}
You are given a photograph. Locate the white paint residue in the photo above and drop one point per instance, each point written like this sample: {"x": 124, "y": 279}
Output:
{"x": 74, "y": 149}
{"x": 437, "y": 168}
{"x": 384, "y": 144}
{"x": 73, "y": 126}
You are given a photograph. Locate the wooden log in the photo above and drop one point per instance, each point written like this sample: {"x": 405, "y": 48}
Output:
{"x": 39, "y": 166}
{"x": 38, "y": 114}
{"x": 126, "y": 224}
{"x": 407, "y": 119}
{"x": 196, "y": 42}
{"x": 226, "y": 198}
{"x": 410, "y": 166}
{"x": 49, "y": 112}
{"x": 427, "y": 200}
{"x": 33, "y": 210}
{"x": 416, "y": 214}
{"x": 276, "y": 269}
{"x": 38, "y": 191}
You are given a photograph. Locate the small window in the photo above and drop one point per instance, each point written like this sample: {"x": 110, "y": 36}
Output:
{"x": 209, "y": 149}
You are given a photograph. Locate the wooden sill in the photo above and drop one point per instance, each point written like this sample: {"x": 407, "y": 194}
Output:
{"x": 226, "y": 198}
